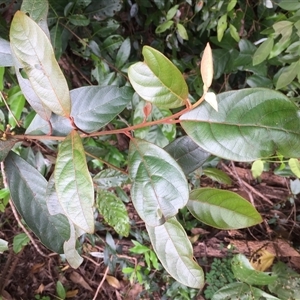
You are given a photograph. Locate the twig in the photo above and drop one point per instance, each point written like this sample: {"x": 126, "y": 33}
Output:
{"x": 101, "y": 283}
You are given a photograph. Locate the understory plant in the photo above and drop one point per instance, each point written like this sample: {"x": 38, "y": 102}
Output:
{"x": 59, "y": 201}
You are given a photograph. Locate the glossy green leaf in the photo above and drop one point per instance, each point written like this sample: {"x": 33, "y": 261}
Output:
{"x": 35, "y": 54}
{"x": 231, "y": 5}
{"x": 222, "y": 209}
{"x": 287, "y": 284}
{"x": 20, "y": 241}
{"x": 263, "y": 51}
{"x": 243, "y": 271}
{"x": 110, "y": 178}
{"x": 175, "y": 252}
{"x": 5, "y": 147}
{"x": 5, "y": 54}
{"x": 28, "y": 192}
{"x": 187, "y": 154}
{"x": 287, "y": 75}
{"x": 3, "y": 246}
{"x": 159, "y": 186}
{"x": 93, "y": 107}
{"x": 251, "y": 124}
{"x": 123, "y": 53}
{"x": 73, "y": 183}
{"x": 157, "y": 80}
{"x": 16, "y": 103}
{"x": 257, "y": 168}
{"x": 295, "y": 166}
{"x": 172, "y": 12}
{"x": 114, "y": 211}
{"x": 241, "y": 290}
{"x": 217, "y": 175}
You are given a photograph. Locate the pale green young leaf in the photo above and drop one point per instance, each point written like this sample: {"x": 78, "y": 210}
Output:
{"x": 221, "y": 27}
{"x": 243, "y": 271}
{"x": 222, "y": 209}
{"x": 74, "y": 184}
{"x": 114, "y": 211}
{"x": 182, "y": 31}
{"x": 20, "y": 241}
{"x": 295, "y": 166}
{"x": 159, "y": 186}
{"x": 263, "y": 51}
{"x": 34, "y": 52}
{"x": 288, "y": 75}
{"x": 251, "y": 124}
{"x": 217, "y": 175}
{"x": 60, "y": 290}
{"x": 257, "y": 168}
{"x": 231, "y": 5}
{"x": 163, "y": 26}
{"x": 234, "y": 33}
{"x": 157, "y": 80}
{"x": 3, "y": 246}
{"x": 175, "y": 252}
{"x": 172, "y": 12}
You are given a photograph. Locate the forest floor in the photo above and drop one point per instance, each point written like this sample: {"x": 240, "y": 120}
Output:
{"x": 30, "y": 275}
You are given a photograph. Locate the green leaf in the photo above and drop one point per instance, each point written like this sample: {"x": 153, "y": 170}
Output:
{"x": 101, "y": 9}
{"x": 159, "y": 186}
{"x": 295, "y": 166}
{"x": 287, "y": 284}
{"x": 289, "y": 4}
{"x": 231, "y": 5}
{"x": 288, "y": 75}
{"x": 35, "y": 54}
{"x": 114, "y": 211}
{"x": 182, "y": 31}
{"x": 112, "y": 43}
{"x": 5, "y": 54}
{"x": 175, "y": 252}
{"x": 251, "y": 124}
{"x": 20, "y": 241}
{"x": 163, "y": 27}
{"x": 222, "y": 209}
{"x": 110, "y": 178}
{"x": 60, "y": 290}
{"x": 79, "y": 20}
{"x": 217, "y": 175}
{"x": 3, "y": 246}
{"x": 187, "y": 154}
{"x": 243, "y": 271}
{"x": 172, "y": 12}
{"x": 73, "y": 183}
{"x": 263, "y": 51}
{"x": 5, "y": 147}
{"x": 221, "y": 27}
{"x": 138, "y": 248}
{"x": 38, "y": 12}
{"x": 240, "y": 290}
{"x": 157, "y": 80}
{"x": 257, "y": 168}
{"x": 93, "y": 107}
{"x": 16, "y": 103}
{"x": 123, "y": 53}
{"x": 234, "y": 33}
{"x": 28, "y": 192}
{"x": 56, "y": 39}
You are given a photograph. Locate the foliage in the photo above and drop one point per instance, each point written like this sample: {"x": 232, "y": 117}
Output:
{"x": 282, "y": 281}
{"x": 172, "y": 112}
